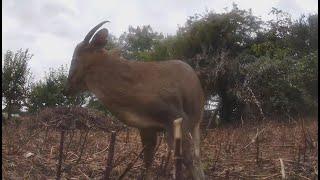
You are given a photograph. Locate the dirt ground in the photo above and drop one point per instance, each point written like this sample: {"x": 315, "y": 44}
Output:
{"x": 264, "y": 150}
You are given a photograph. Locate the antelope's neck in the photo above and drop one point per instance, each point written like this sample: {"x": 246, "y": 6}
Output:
{"x": 111, "y": 81}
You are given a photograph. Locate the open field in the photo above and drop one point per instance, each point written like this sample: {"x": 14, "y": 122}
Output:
{"x": 230, "y": 152}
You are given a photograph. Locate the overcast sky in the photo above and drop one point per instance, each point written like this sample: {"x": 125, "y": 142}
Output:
{"x": 52, "y": 28}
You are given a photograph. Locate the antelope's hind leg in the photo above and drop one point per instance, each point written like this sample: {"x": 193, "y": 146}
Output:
{"x": 190, "y": 151}
{"x": 149, "y": 141}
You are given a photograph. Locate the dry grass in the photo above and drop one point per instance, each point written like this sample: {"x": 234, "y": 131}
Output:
{"x": 227, "y": 152}
{"x": 236, "y": 153}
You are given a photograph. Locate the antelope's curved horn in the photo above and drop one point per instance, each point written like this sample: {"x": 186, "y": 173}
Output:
{"x": 92, "y": 31}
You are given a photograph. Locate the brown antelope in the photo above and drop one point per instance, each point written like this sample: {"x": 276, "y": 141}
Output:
{"x": 145, "y": 95}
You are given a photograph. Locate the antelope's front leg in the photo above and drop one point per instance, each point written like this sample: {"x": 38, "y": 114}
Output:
{"x": 149, "y": 141}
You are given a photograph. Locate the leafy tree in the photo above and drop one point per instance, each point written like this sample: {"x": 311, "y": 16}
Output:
{"x": 137, "y": 42}
{"x": 211, "y": 43}
{"x": 211, "y": 33}
{"x": 285, "y": 72}
{"x": 314, "y": 29}
{"x": 15, "y": 80}
{"x": 304, "y": 35}
{"x": 48, "y": 93}
{"x": 271, "y": 65}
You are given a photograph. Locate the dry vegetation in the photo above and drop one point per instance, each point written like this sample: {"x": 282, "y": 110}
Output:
{"x": 232, "y": 152}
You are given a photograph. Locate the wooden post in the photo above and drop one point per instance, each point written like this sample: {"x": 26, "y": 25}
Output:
{"x": 178, "y": 147}
{"x": 60, "y": 155}
{"x": 258, "y": 149}
{"x": 110, "y": 155}
{"x": 127, "y": 135}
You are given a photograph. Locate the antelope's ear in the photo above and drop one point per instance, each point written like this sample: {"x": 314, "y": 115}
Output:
{"x": 99, "y": 40}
